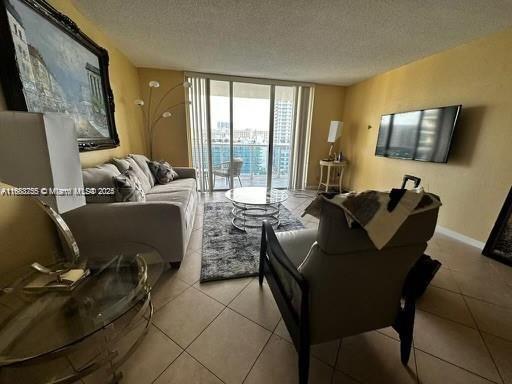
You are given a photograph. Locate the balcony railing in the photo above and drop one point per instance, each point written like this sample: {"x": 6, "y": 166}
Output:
{"x": 254, "y": 167}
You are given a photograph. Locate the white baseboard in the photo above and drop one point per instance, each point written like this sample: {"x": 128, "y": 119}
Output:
{"x": 460, "y": 237}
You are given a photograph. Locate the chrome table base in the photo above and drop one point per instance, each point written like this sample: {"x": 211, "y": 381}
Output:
{"x": 251, "y": 216}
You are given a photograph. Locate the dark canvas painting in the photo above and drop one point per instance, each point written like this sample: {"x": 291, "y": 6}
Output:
{"x": 58, "y": 73}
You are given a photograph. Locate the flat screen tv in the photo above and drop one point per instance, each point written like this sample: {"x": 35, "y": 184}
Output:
{"x": 423, "y": 135}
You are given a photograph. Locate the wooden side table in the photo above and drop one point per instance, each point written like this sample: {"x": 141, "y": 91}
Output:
{"x": 336, "y": 165}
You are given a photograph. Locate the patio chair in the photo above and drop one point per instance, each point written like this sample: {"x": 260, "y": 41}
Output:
{"x": 225, "y": 170}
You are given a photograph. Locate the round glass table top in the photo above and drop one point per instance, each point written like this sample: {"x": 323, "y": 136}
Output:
{"x": 33, "y": 324}
{"x": 256, "y": 195}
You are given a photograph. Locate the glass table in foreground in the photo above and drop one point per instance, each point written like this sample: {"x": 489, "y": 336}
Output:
{"x": 252, "y": 205}
{"x": 44, "y": 335}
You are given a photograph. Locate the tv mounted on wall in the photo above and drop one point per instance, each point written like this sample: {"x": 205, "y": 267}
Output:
{"x": 423, "y": 135}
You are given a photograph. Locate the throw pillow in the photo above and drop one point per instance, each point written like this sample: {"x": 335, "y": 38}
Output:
{"x": 162, "y": 171}
{"x": 142, "y": 162}
{"x": 121, "y": 164}
{"x": 128, "y": 187}
{"x": 129, "y": 162}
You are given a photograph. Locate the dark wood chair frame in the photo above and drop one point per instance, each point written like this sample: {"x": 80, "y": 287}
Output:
{"x": 298, "y": 323}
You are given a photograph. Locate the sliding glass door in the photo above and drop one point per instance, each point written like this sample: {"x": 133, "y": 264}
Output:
{"x": 221, "y": 134}
{"x": 248, "y": 132}
{"x": 284, "y": 117}
{"x": 251, "y": 132}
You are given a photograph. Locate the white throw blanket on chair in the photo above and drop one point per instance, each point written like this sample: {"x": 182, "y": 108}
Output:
{"x": 371, "y": 210}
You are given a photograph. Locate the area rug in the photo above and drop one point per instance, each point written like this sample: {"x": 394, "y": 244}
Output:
{"x": 228, "y": 252}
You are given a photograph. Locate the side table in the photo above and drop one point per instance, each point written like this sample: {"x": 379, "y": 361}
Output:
{"x": 73, "y": 334}
{"x": 336, "y": 166}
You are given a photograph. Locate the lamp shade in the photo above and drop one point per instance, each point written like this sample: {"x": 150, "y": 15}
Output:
{"x": 39, "y": 150}
{"x": 334, "y": 131}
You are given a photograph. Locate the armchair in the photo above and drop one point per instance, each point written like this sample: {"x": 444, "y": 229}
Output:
{"x": 332, "y": 282}
{"x": 228, "y": 169}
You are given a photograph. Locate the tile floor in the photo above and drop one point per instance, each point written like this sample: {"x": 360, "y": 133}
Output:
{"x": 231, "y": 331}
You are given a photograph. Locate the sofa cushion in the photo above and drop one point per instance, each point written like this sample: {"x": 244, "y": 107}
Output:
{"x": 162, "y": 171}
{"x": 128, "y": 187}
{"x": 121, "y": 164}
{"x": 100, "y": 177}
{"x": 146, "y": 185}
{"x": 175, "y": 185}
{"x": 142, "y": 162}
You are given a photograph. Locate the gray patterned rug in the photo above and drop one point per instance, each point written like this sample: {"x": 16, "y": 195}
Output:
{"x": 228, "y": 252}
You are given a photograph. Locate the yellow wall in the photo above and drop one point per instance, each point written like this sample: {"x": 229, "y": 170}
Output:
{"x": 328, "y": 105}
{"x": 475, "y": 182}
{"x": 170, "y": 142}
{"x": 25, "y": 231}
{"x": 170, "y": 134}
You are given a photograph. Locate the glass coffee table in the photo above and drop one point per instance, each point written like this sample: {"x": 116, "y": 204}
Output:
{"x": 252, "y": 205}
{"x": 62, "y": 336}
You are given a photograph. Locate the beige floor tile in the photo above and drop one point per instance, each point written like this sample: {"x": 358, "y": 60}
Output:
{"x": 432, "y": 370}
{"x": 185, "y": 317}
{"x": 229, "y": 346}
{"x": 462, "y": 257}
{"x": 149, "y": 360}
{"x": 167, "y": 288}
{"x": 310, "y": 224}
{"x": 501, "y": 351}
{"x": 225, "y": 290}
{"x": 278, "y": 363}
{"x": 282, "y": 331}
{"x": 492, "y": 290}
{"x": 190, "y": 269}
{"x": 198, "y": 221}
{"x": 257, "y": 303}
{"x": 446, "y": 304}
{"x": 326, "y": 352}
{"x": 492, "y": 318}
{"x": 432, "y": 247}
{"x": 453, "y": 342}
{"x": 196, "y": 240}
{"x": 374, "y": 358}
{"x": 504, "y": 271}
{"x": 444, "y": 279}
{"x": 341, "y": 378}
{"x": 390, "y": 332}
{"x": 186, "y": 370}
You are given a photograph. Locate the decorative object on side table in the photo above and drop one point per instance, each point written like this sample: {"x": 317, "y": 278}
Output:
{"x": 38, "y": 153}
{"x": 49, "y": 65}
{"x": 334, "y": 133}
{"x": 153, "y": 115}
{"x": 499, "y": 244}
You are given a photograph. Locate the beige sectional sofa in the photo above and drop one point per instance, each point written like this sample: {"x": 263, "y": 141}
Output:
{"x": 163, "y": 222}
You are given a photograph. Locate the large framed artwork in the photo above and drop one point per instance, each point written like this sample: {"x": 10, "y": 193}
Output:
{"x": 49, "y": 65}
{"x": 499, "y": 244}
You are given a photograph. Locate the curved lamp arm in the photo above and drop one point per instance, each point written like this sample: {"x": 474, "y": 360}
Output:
{"x": 184, "y": 84}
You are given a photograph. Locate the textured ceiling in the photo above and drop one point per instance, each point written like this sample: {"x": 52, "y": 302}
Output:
{"x": 336, "y": 42}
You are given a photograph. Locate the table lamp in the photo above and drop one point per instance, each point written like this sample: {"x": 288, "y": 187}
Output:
{"x": 39, "y": 157}
{"x": 334, "y": 133}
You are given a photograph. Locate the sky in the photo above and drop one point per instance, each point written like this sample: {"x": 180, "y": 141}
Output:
{"x": 251, "y": 103}
{"x": 247, "y": 113}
